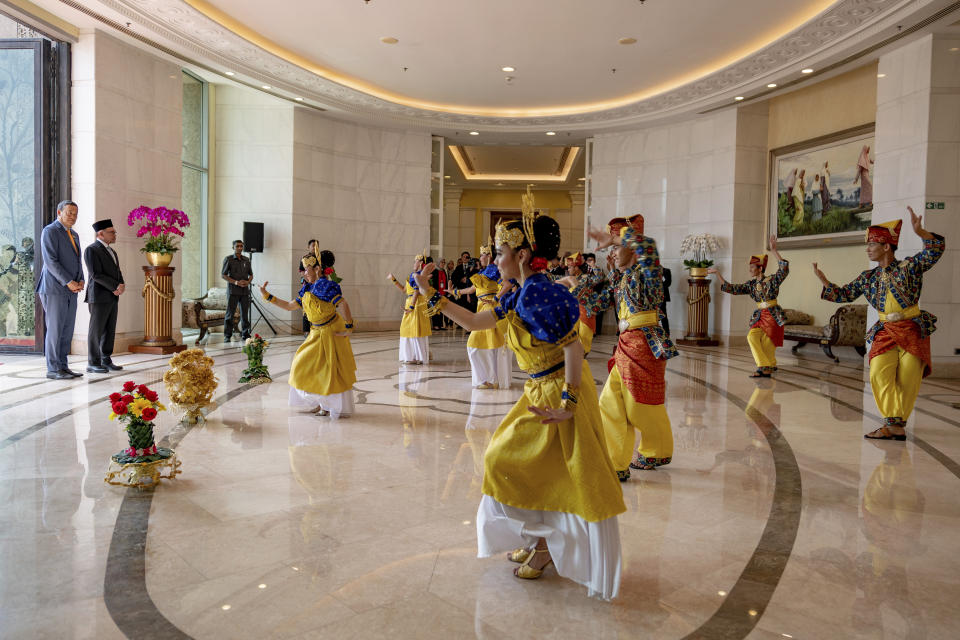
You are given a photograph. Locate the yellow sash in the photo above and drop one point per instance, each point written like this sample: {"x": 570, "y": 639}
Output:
{"x": 640, "y": 319}
{"x": 906, "y": 314}
{"x": 766, "y": 304}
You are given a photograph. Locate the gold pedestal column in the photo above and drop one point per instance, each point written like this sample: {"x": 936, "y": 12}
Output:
{"x": 158, "y": 297}
{"x": 698, "y": 314}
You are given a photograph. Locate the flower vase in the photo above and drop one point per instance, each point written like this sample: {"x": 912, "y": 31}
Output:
{"x": 698, "y": 272}
{"x": 159, "y": 259}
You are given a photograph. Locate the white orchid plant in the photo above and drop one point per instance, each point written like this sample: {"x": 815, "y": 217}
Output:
{"x": 700, "y": 248}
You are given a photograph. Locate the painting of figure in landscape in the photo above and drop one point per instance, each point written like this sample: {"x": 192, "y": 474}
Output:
{"x": 824, "y": 191}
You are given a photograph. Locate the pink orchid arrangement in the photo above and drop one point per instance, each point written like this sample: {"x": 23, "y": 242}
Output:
{"x": 160, "y": 225}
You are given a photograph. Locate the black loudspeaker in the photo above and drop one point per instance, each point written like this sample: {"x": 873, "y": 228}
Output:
{"x": 253, "y": 237}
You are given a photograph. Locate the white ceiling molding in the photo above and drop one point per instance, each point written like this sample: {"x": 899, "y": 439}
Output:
{"x": 844, "y": 28}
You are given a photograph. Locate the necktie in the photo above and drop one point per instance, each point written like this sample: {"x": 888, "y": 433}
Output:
{"x": 73, "y": 242}
{"x": 114, "y": 254}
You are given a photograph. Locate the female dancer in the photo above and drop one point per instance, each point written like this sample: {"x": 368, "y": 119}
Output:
{"x": 549, "y": 486}
{"x": 766, "y": 324}
{"x": 323, "y": 370}
{"x": 415, "y": 328}
{"x": 490, "y": 361}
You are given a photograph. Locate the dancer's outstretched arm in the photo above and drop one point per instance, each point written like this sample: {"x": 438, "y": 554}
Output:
{"x": 464, "y": 317}
{"x": 272, "y": 299}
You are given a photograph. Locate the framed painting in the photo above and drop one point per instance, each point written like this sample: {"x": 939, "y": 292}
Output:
{"x": 821, "y": 190}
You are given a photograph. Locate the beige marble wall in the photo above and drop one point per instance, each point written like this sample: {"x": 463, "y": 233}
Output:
{"x": 704, "y": 175}
{"x": 918, "y": 160}
{"x": 125, "y": 120}
{"x": 253, "y": 183}
{"x": 364, "y": 193}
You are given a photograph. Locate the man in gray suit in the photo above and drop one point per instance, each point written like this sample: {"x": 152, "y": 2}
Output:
{"x": 103, "y": 295}
{"x": 61, "y": 279}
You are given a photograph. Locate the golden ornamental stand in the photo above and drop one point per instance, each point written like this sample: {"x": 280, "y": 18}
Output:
{"x": 698, "y": 313}
{"x": 158, "y": 297}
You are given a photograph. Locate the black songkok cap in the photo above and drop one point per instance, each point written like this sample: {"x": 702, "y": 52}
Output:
{"x": 100, "y": 225}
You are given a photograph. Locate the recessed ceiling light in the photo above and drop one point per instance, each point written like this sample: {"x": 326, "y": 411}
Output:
{"x": 738, "y": 98}
{"x": 389, "y": 40}
{"x": 627, "y": 40}
{"x": 507, "y": 69}
{"x": 262, "y": 586}
{"x": 474, "y": 133}
{"x": 225, "y": 607}
{"x": 499, "y": 184}
{"x": 551, "y": 133}
{"x": 807, "y": 70}
{"x": 298, "y": 99}
{"x": 771, "y": 85}
{"x": 266, "y": 86}
{"x": 881, "y": 75}
{"x": 230, "y": 73}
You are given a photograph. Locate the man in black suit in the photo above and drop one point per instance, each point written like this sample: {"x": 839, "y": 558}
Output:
{"x": 103, "y": 269}
{"x": 61, "y": 279}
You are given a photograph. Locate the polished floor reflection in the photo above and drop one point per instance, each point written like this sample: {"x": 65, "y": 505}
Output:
{"x": 775, "y": 519}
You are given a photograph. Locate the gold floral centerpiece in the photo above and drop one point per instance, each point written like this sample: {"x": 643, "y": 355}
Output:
{"x": 256, "y": 372}
{"x": 191, "y": 383}
{"x": 143, "y": 463}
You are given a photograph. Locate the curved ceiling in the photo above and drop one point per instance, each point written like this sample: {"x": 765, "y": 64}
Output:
{"x": 690, "y": 55}
{"x": 567, "y": 58}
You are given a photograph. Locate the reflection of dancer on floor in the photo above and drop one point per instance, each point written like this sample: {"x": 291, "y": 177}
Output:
{"x": 415, "y": 328}
{"x": 323, "y": 370}
{"x": 490, "y": 362}
{"x": 549, "y": 487}
{"x": 635, "y": 392}
{"x": 767, "y": 321}
{"x": 900, "y": 339}
{"x": 481, "y": 423}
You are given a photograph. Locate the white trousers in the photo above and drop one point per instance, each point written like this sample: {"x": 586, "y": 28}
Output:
{"x": 337, "y": 404}
{"x": 491, "y": 365}
{"x": 586, "y": 552}
{"x": 415, "y": 349}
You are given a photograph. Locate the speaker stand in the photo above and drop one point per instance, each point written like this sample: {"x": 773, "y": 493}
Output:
{"x": 256, "y": 305}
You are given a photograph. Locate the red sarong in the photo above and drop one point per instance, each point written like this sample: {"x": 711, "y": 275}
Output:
{"x": 769, "y": 326}
{"x": 642, "y": 374}
{"x": 906, "y": 335}
{"x": 590, "y": 321}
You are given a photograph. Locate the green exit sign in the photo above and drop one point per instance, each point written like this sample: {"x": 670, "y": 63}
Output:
{"x": 934, "y": 205}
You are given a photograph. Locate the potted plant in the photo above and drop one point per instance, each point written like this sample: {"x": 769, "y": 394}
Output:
{"x": 700, "y": 248}
{"x": 256, "y": 372}
{"x": 162, "y": 227}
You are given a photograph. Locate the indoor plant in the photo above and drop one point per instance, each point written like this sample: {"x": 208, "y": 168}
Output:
{"x": 700, "y": 247}
{"x": 162, "y": 227}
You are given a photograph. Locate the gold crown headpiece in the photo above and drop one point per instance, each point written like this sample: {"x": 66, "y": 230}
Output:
{"x": 515, "y": 237}
{"x": 309, "y": 261}
{"x": 422, "y": 256}
{"x": 487, "y": 249}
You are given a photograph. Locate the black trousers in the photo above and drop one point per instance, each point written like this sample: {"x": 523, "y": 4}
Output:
{"x": 665, "y": 321}
{"x": 100, "y": 335}
{"x": 232, "y": 302}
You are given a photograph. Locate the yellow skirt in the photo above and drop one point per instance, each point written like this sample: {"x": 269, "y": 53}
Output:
{"x": 561, "y": 467}
{"x": 416, "y": 324}
{"x": 324, "y": 363}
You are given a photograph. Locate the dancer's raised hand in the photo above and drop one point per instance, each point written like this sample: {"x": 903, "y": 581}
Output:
{"x": 423, "y": 278}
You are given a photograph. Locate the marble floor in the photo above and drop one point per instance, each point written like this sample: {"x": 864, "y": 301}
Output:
{"x": 775, "y": 520}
